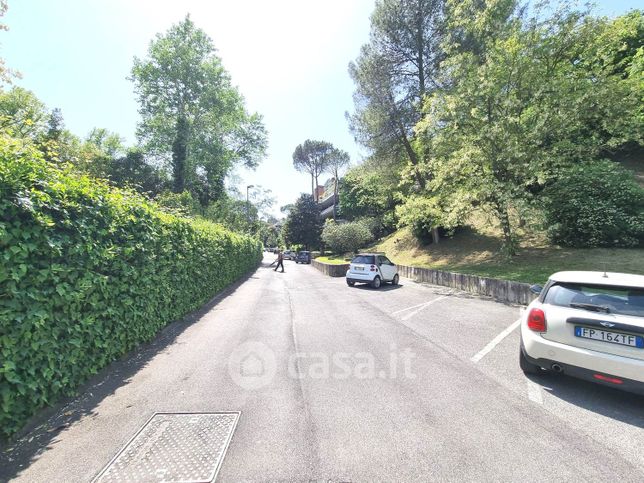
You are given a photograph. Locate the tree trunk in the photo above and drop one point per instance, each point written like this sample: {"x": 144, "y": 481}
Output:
{"x": 179, "y": 154}
{"x": 509, "y": 245}
{"x": 335, "y": 192}
{"x": 435, "y": 236}
{"x": 312, "y": 186}
{"x": 316, "y": 198}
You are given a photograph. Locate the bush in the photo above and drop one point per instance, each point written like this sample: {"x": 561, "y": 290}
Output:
{"x": 346, "y": 237}
{"x": 596, "y": 204}
{"x": 88, "y": 272}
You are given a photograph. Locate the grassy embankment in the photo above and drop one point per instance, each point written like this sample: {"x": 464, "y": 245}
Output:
{"x": 476, "y": 250}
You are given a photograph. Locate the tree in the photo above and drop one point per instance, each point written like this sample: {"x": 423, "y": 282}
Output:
{"x": 22, "y": 114}
{"x": 312, "y": 157}
{"x": 336, "y": 160}
{"x": 132, "y": 170}
{"x": 303, "y": 225}
{"x": 515, "y": 118}
{"x": 597, "y": 204}
{"x": 192, "y": 117}
{"x": 6, "y": 74}
{"x": 346, "y": 237}
{"x": 55, "y": 125}
{"x": 393, "y": 73}
{"x": 369, "y": 190}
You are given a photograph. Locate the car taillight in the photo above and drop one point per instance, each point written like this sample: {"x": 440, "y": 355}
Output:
{"x": 373, "y": 268}
{"x": 537, "y": 320}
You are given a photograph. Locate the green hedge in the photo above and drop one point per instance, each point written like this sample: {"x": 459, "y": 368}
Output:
{"x": 88, "y": 272}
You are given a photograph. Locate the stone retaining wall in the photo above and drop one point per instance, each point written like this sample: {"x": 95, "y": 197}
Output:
{"x": 330, "y": 269}
{"x": 502, "y": 290}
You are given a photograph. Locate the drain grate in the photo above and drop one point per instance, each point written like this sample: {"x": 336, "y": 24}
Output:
{"x": 174, "y": 447}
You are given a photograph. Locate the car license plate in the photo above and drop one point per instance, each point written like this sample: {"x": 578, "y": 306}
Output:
{"x": 358, "y": 268}
{"x": 612, "y": 337}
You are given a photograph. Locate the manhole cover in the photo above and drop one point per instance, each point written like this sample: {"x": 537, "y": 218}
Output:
{"x": 174, "y": 447}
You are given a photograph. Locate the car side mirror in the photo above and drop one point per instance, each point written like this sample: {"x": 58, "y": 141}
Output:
{"x": 536, "y": 289}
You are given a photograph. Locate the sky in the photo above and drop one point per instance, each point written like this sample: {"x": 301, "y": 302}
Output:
{"x": 289, "y": 59}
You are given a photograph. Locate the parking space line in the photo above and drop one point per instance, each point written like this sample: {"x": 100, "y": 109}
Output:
{"x": 480, "y": 355}
{"x": 407, "y": 308}
{"x": 420, "y": 307}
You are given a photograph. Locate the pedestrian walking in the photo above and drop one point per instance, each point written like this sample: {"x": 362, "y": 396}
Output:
{"x": 280, "y": 261}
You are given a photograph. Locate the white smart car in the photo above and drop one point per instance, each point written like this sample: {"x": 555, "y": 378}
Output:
{"x": 372, "y": 268}
{"x": 588, "y": 325}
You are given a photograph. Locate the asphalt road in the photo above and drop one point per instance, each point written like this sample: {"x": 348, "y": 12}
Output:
{"x": 348, "y": 384}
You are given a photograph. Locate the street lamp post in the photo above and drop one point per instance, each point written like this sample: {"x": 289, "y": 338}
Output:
{"x": 248, "y": 201}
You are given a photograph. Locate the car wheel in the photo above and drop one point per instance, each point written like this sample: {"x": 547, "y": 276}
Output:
{"x": 350, "y": 283}
{"x": 376, "y": 282}
{"x": 395, "y": 280}
{"x": 526, "y": 366}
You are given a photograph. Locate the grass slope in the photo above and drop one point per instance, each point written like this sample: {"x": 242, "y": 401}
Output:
{"x": 475, "y": 250}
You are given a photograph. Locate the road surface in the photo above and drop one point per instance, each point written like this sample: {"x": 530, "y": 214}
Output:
{"x": 407, "y": 383}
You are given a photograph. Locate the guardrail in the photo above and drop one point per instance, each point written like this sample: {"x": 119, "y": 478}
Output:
{"x": 502, "y": 290}
{"x": 330, "y": 269}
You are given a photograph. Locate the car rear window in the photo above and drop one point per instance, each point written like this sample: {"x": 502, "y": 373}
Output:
{"x": 365, "y": 259}
{"x": 599, "y": 298}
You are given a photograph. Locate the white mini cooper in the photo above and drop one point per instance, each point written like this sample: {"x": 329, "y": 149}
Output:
{"x": 588, "y": 325}
{"x": 373, "y": 269}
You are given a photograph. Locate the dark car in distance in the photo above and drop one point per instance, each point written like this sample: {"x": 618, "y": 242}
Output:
{"x": 303, "y": 256}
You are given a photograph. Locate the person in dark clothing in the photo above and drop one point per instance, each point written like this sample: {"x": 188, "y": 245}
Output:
{"x": 280, "y": 260}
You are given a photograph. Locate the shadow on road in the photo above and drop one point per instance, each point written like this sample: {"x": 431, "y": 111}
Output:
{"x": 41, "y": 431}
{"x": 383, "y": 288}
{"x": 612, "y": 403}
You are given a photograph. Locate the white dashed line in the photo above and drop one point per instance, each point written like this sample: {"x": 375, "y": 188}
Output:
{"x": 480, "y": 355}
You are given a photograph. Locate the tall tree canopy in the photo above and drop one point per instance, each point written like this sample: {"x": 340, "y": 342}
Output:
{"x": 312, "y": 157}
{"x": 535, "y": 103}
{"x": 193, "y": 118}
{"x": 393, "y": 73}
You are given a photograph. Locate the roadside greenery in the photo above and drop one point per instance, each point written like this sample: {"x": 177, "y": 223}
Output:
{"x": 468, "y": 105}
{"x": 88, "y": 272}
{"x": 303, "y": 225}
{"x": 346, "y": 237}
{"x": 193, "y": 118}
{"x": 191, "y": 137}
{"x": 595, "y": 205}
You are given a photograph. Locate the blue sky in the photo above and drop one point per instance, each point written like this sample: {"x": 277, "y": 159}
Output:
{"x": 289, "y": 59}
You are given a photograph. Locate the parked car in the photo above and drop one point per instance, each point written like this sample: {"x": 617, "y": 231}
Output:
{"x": 303, "y": 256}
{"x": 589, "y": 325}
{"x": 372, "y": 268}
{"x": 288, "y": 255}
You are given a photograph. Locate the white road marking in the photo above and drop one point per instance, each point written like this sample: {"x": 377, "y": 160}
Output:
{"x": 496, "y": 341}
{"x": 408, "y": 308}
{"x": 420, "y": 307}
{"x": 535, "y": 393}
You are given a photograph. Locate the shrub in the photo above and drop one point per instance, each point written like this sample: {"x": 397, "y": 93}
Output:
{"x": 88, "y": 272}
{"x": 596, "y": 204}
{"x": 346, "y": 237}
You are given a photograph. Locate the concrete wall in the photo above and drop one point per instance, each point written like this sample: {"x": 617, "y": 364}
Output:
{"x": 502, "y": 290}
{"x": 331, "y": 270}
